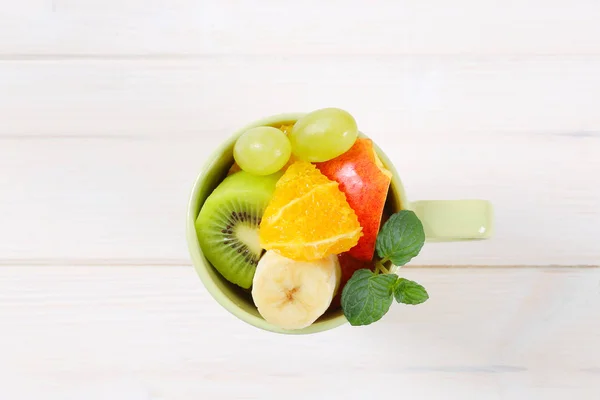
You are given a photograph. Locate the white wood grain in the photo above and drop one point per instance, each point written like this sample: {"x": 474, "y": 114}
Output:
{"x": 408, "y": 96}
{"x": 189, "y": 27}
{"x": 104, "y": 154}
{"x": 155, "y": 333}
{"x": 109, "y": 108}
{"x": 97, "y": 200}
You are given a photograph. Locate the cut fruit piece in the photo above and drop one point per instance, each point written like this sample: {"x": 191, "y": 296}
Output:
{"x": 286, "y": 128}
{"x": 234, "y": 168}
{"x": 308, "y": 217}
{"x": 365, "y": 181}
{"x": 293, "y": 294}
{"x": 227, "y": 225}
{"x": 348, "y": 265}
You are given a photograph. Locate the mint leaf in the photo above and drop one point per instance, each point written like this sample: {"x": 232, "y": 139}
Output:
{"x": 409, "y": 292}
{"x": 401, "y": 238}
{"x": 367, "y": 297}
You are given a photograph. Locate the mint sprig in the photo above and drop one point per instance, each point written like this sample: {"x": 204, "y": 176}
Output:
{"x": 409, "y": 292}
{"x": 401, "y": 238}
{"x": 368, "y": 295}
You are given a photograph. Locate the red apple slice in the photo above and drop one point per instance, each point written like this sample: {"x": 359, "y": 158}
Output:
{"x": 365, "y": 181}
{"x": 349, "y": 266}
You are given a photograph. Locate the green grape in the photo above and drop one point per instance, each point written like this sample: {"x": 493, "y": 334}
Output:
{"x": 323, "y": 134}
{"x": 262, "y": 151}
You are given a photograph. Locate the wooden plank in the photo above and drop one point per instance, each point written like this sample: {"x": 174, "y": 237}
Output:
{"x": 440, "y": 96}
{"x": 107, "y": 201}
{"x": 103, "y": 154}
{"x": 155, "y": 333}
{"x": 188, "y": 27}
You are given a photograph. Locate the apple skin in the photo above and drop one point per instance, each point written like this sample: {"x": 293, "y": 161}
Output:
{"x": 349, "y": 265}
{"x": 365, "y": 181}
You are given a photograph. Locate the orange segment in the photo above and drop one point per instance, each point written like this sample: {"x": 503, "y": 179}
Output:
{"x": 286, "y": 128}
{"x": 308, "y": 217}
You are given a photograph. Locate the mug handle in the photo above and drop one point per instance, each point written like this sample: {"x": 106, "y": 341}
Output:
{"x": 455, "y": 220}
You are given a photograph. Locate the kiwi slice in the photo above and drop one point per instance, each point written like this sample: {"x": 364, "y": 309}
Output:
{"x": 227, "y": 225}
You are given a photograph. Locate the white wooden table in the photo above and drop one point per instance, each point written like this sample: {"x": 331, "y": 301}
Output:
{"x": 109, "y": 108}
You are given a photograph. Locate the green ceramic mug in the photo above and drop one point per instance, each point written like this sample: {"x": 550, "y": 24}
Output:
{"x": 443, "y": 220}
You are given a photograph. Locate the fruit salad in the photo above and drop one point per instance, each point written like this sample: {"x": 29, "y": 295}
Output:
{"x": 301, "y": 223}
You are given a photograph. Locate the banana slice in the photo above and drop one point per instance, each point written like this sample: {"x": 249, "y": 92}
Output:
{"x": 293, "y": 294}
